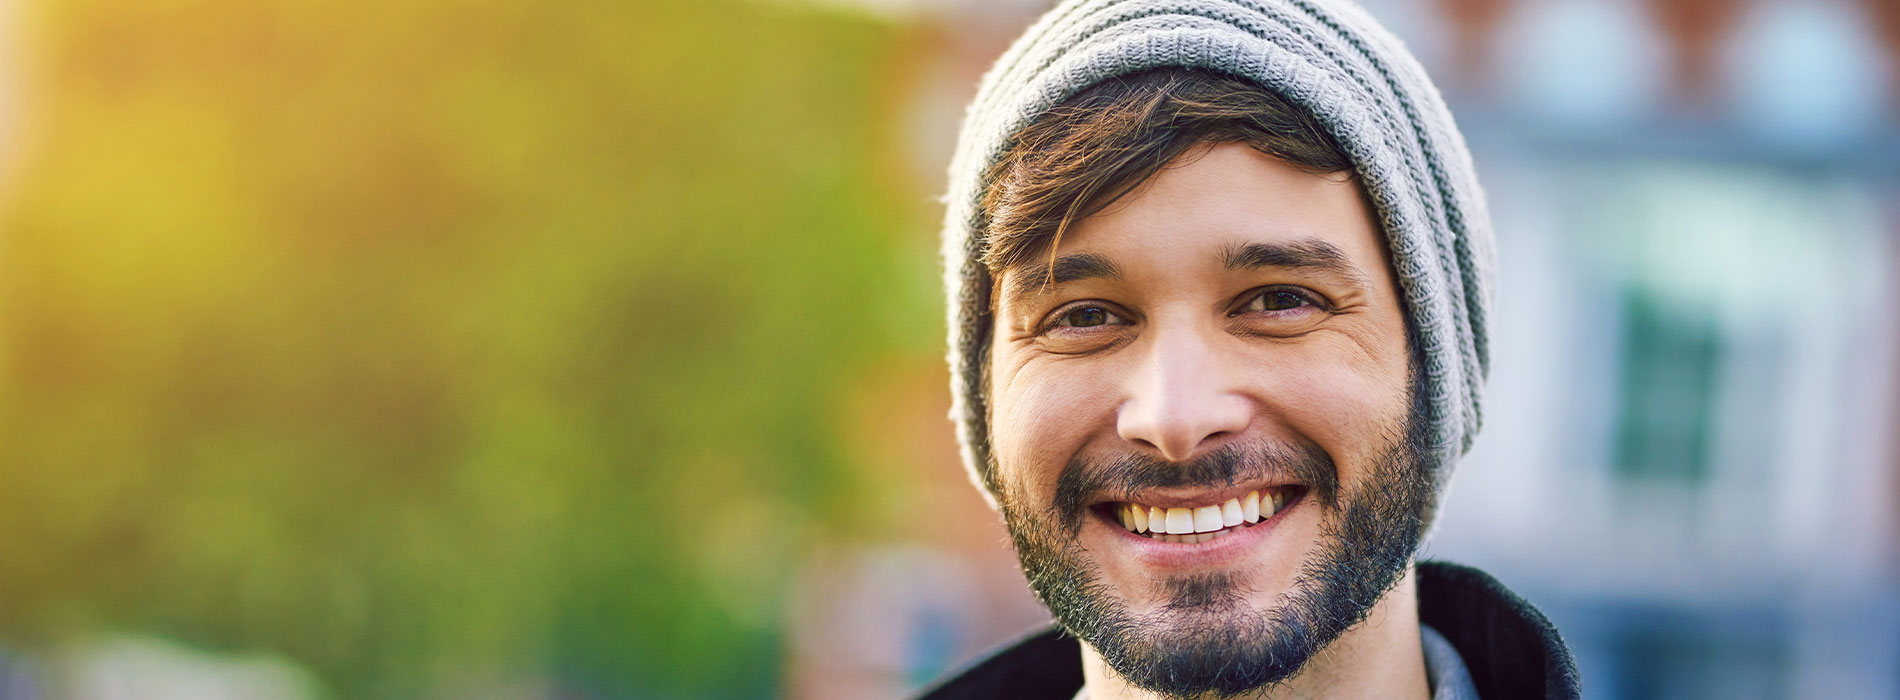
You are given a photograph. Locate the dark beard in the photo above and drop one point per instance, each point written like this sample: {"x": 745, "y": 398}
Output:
{"x": 1207, "y": 640}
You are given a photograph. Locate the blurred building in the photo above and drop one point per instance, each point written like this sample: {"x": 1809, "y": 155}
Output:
{"x": 1690, "y": 455}
{"x": 1689, "y": 459}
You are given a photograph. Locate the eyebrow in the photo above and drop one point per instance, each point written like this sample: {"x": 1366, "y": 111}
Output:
{"x": 1312, "y": 254}
{"x": 1068, "y": 268}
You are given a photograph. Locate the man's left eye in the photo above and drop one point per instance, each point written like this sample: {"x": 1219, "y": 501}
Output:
{"x": 1277, "y": 300}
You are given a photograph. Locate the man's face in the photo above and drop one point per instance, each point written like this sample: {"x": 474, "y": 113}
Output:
{"x": 1229, "y": 331}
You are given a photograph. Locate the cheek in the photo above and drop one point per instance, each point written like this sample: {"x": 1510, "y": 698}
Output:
{"x": 1042, "y": 416}
{"x": 1342, "y": 406}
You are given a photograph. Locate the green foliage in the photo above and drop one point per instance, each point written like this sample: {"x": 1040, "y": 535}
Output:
{"x": 437, "y": 344}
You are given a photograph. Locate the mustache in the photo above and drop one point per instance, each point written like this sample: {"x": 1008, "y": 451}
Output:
{"x": 1085, "y": 480}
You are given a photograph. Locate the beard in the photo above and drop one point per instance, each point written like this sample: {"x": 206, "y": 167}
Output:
{"x": 1208, "y": 640}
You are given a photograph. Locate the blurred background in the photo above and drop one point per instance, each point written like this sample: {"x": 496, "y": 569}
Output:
{"x": 592, "y": 350}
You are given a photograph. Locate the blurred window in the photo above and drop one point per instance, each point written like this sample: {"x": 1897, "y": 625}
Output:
{"x": 1667, "y": 385}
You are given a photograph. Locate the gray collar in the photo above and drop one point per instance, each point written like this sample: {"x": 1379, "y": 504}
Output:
{"x": 1445, "y": 669}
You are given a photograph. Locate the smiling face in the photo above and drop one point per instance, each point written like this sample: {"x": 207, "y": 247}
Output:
{"x": 1224, "y": 339}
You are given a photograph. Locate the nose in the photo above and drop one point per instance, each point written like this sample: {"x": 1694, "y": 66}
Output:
{"x": 1183, "y": 401}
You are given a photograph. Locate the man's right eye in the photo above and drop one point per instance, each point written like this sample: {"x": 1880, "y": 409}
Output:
{"x": 1086, "y": 317}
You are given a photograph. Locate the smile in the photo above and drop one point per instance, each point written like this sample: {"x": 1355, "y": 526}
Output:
{"x": 1196, "y": 524}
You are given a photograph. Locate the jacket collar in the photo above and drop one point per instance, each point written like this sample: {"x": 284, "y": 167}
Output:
{"x": 1510, "y": 648}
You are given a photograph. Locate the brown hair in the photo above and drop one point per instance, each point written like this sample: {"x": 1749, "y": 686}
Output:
{"x": 1099, "y": 145}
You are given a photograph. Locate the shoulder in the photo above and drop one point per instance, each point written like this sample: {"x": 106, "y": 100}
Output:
{"x": 1043, "y": 664}
{"x": 1511, "y": 649}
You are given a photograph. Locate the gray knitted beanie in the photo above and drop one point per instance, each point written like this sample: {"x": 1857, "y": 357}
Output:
{"x": 1328, "y": 57}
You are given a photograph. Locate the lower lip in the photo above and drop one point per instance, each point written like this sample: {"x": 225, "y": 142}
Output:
{"x": 1213, "y": 553}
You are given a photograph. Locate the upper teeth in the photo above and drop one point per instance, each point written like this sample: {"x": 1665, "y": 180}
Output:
{"x": 1251, "y": 508}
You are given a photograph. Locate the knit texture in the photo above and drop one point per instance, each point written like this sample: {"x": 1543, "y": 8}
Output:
{"x": 1326, "y": 56}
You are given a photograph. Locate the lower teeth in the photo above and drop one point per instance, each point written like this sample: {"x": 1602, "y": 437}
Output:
{"x": 1195, "y": 538}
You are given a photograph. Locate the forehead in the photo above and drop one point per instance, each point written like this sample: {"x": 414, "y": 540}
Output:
{"x": 1232, "y": 207}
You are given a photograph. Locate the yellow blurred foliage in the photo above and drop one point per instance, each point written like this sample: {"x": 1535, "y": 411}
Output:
{"x": 434, "y": 342}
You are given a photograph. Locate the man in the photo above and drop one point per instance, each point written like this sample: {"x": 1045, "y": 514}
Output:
{"x": 1219, "y": 272}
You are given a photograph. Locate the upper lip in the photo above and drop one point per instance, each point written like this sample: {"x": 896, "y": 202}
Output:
{"x": 1190, "y": 497}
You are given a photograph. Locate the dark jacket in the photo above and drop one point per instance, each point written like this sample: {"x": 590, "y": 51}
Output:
{"x": 1510, "y": 649}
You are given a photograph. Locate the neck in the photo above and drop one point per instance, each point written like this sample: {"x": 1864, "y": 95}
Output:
{"x": 1380, "y": 657}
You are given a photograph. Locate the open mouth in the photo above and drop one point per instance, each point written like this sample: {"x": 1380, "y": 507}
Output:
{"x": 1190, "y": 525}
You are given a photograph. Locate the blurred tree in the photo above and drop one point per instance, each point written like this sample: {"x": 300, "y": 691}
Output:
{"x": 443, "y": 346}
